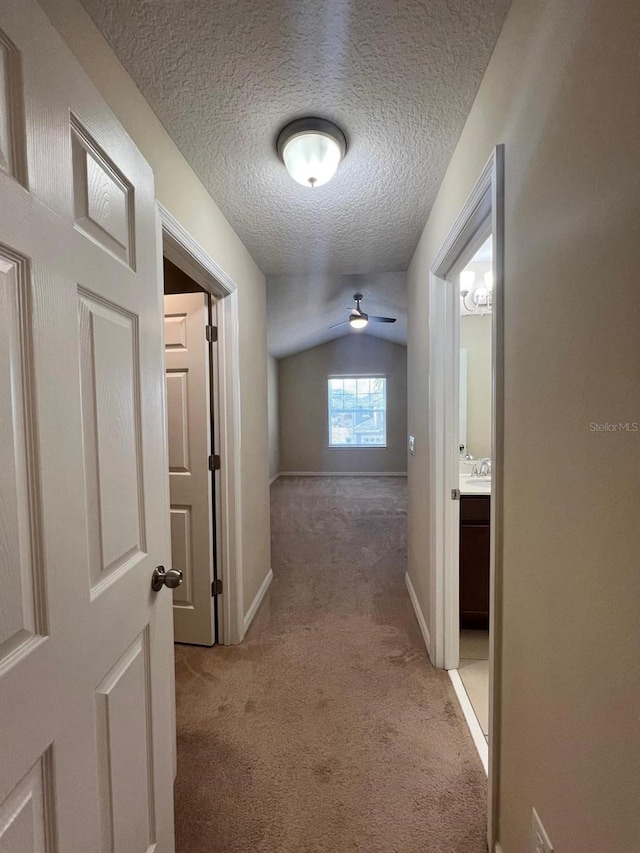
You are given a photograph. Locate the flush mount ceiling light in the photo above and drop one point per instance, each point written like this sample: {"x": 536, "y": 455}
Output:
{"x": 311, "y": 149}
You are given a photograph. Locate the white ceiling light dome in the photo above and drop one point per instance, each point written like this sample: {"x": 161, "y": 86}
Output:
{"x": 311, "y": 149}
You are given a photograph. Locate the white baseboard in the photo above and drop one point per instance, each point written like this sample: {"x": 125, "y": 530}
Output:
{"x": 255, "y": 604}
{"x": 273, "y": 479}
{"x": 343, "y": 474}
{"x": 472, "y": 721}
{"x": 497, "y": 848}
{"x": 419, "y": 614}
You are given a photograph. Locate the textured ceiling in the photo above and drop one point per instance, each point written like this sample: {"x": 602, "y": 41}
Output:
{"x": 398, "y": 76}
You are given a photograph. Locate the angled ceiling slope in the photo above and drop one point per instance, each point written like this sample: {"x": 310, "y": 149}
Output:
{"x": 300, "y": 313}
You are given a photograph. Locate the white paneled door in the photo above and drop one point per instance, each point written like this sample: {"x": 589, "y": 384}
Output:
{"x": 86, "y": 665}
{"x": 186, "y": 317}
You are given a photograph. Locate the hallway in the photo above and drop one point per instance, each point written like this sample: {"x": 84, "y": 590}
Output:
{"x": 328, "y": 729}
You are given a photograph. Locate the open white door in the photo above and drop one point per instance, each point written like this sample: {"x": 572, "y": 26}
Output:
{"x": 189, "y": 421}
{"x": 86, "y": 659}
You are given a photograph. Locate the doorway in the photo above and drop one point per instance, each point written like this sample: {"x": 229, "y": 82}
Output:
{"x": 481, "y": 217}
{"x": 194, "y": 272}
{"x": 474, "y": 284}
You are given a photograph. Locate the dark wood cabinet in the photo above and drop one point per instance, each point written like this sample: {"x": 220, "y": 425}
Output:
{"x": 475, "y": 518}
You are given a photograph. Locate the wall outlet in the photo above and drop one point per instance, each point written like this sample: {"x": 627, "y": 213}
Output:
{"x": 539, "y": 839}
{"x": 412, "y": 445}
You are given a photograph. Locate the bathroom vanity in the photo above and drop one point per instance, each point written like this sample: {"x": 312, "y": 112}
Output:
{"x": 475, "y": 517}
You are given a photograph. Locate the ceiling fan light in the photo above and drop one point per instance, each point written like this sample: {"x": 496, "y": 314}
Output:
{"x": 357, "y": 321}
{"x": 311, "y": 149}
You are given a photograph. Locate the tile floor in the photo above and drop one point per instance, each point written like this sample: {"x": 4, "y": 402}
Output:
{"x": 474, "y": 673}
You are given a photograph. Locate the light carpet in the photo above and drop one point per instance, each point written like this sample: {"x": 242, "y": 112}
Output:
{"x": 327, "y": 730}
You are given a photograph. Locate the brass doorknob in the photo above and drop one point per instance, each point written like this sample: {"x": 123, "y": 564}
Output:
{"x": 161, "y": 577}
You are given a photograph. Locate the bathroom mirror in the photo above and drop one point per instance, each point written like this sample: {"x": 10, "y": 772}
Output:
{"x": 475, "y": 342}
{"x": 462, "y": 432}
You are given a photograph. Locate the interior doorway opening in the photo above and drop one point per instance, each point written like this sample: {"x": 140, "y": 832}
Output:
{"x": 195, "y": 272}
{"x": 474, "y": 284}
{"x": 481, "y": 217}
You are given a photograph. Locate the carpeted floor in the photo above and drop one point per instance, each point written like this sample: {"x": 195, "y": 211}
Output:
{"x": 328, "y": 730}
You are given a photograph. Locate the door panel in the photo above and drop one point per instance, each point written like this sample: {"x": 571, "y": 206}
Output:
{"x": 86, "y": 658}
{"x": 125, "y": 752}
{"x": 26, "y": 816}
{"x": 12, "y": 142}
{"x": 178, "y": 413}
{"x": 103, "y": 198}
{"x": 181, "y": 549}
{"x": 21, "y": 605}
{"x": 111, "y": 426}
{"x": 189, "y": 436}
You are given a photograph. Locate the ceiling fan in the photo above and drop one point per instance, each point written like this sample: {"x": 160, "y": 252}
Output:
{"x": 358, "y": 319}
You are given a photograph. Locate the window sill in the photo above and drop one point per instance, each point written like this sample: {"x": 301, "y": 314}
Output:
{"x": 357, "y": 447}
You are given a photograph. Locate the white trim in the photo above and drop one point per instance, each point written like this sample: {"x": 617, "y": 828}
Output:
{"x": 181, "y": 249}
{"x": 419, "y": 614}
{"x": 342, "y": 474}
{"x": 436, "y": 386}
{"x": 357, "y": 375}
{"x": 257, "y": 601}
{"x": 273, "y": 479}
{"x": 474, "y": 212}
{"x": 167, "y": 489}
{"x": 470, "y": 716}
{"x": 497, "y": 492}
{"x": 357, "y": 447}
{"x": 498, "y": 847}
{"x": 230, "y": 479}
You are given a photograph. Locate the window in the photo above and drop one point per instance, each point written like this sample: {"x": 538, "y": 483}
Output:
{"x": 357, "y": 411}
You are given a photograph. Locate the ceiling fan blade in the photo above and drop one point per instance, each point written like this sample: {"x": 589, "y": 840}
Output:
{"x": 335, "y": 325}
{"x": 382, "y": 319}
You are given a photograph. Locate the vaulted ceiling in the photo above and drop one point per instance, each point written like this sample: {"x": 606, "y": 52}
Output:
{"x": 398, "y": 76}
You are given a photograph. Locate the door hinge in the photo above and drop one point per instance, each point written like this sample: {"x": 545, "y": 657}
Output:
{"x": 214, "y": 463}
{"x": 455, "y": 494}
{"x": 211, "y": 334}
{"x": 216, "y": 587}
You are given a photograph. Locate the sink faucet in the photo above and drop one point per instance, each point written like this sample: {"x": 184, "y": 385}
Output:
{"x": 484, "y": 469}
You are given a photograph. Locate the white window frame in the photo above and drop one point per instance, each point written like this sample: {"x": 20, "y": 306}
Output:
{"x": 356, "y": 446}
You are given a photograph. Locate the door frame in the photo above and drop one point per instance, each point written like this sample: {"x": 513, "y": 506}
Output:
{"x": 482, "y": 213}
{"x": 181, "y": 249}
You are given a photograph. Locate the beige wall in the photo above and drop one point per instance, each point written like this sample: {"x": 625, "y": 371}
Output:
{"x": 180, "y": 191}
{"x": 561, "y": 92}
{"x": 475, "y": 337}
{"x": 274, "y": 418}
{"x": 303, "y": 406}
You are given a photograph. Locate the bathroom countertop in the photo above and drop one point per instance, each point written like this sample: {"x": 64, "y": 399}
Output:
{"x": 478, "y": 488}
